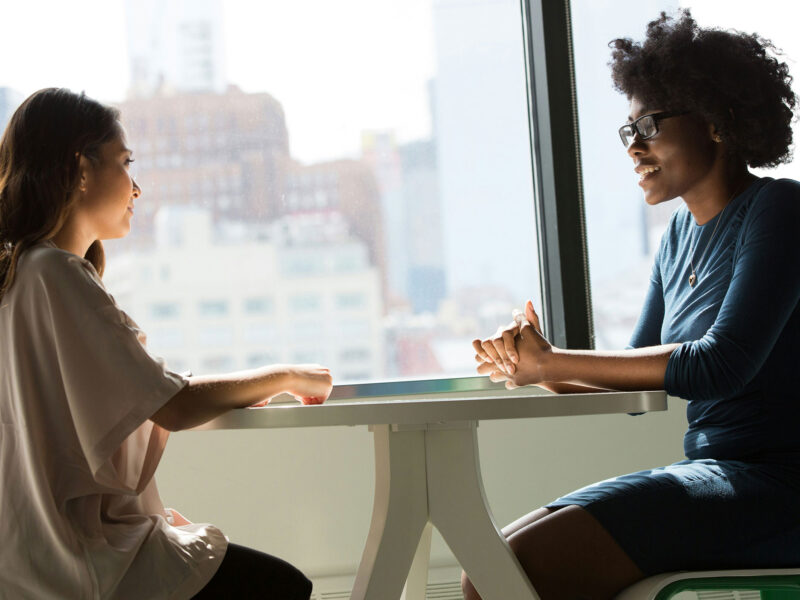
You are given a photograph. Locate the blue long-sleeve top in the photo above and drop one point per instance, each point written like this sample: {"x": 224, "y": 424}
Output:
{"x": 738, "y": 364}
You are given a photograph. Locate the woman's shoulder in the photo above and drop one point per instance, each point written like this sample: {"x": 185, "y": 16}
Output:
{"x": 46, "y": 257}
{"x": 783, "y": 185}
{"x": 783, "y": 191}
{"x": 46, "y": 265}
{"x": 774, "y": 199}
{"x": 770, "y": 212}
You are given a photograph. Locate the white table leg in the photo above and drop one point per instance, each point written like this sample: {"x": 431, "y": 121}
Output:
{"x": 458, "y": 509}
{"x": 399, "y": 514}
{"x": 417, "y": 582}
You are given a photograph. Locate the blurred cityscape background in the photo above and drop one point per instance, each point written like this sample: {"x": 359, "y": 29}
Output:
{"x": 255, "y": 242}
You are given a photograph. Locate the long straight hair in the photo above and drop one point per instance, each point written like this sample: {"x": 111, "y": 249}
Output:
{"x": 39, "y": 170}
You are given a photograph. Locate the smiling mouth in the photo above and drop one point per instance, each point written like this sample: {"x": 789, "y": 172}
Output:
{"x": 646, "y": 172}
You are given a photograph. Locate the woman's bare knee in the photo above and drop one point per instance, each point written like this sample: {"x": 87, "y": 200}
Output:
{"x": 566, "y": 554}
{"x": 571, "y": 555}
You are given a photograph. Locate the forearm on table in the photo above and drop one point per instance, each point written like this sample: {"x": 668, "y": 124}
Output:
{"x": 208, "y": 396}
{"x": 637, "y": 369}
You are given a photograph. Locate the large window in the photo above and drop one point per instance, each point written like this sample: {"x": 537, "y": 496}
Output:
{"x": 355, "y": 182}
{"x": 343, "y": 182}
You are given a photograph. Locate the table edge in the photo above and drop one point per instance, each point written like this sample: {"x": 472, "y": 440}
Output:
{"x": 416, "y": 410}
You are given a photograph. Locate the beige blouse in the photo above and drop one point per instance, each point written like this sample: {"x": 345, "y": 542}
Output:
{"x": 80, "y": 516}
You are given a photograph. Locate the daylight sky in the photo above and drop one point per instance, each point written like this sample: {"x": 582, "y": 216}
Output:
{"x": 338, "y": 67}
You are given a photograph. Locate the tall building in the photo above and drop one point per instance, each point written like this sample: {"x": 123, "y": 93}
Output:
{"x": 411, "y": 211}
{"x": 422, "y": 191}
{"x": 226, "y": 152}
{"x": 241, "y": 256}
{"x": 233, "y": 296}
{"x": 380, "y": 152}
{"x": 345, "y": 187}
{"x": 424, "y": 222}
{"x": 483, "y": 147}
{"x": 175, "y": 46}
{"x": 229, "y": 154}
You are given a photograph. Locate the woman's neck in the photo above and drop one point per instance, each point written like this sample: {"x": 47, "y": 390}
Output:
{"x": 73, "y": 238}
{"x": 707, "y": 200}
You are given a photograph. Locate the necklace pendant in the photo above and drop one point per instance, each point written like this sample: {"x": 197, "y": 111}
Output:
{"x": 692, "y": 280}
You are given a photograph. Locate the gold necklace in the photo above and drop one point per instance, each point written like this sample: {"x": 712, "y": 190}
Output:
{"x": 693, "y": 276}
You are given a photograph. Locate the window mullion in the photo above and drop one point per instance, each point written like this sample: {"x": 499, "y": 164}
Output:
{"x": 558, "y": 187}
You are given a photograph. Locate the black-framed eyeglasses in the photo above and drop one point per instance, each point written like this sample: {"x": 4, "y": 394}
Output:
{"x": 646, "y": 126}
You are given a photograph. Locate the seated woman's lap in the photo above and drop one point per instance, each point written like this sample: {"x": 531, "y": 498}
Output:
{"x": 702, "y": 514}
{"x": 692, "y": 515}
{"x": 247, "y": 573}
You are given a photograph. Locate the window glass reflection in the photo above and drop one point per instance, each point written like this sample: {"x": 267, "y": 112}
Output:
{"x": 366, "y": 170}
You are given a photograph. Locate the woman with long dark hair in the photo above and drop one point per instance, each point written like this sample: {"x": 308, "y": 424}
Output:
{"x": 85, "y": 411}
{"x": 720, "y": 328}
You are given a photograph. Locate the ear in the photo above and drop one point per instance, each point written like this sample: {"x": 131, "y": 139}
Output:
{"x": 715, "y": 133}
{"x": 84, "y": 172}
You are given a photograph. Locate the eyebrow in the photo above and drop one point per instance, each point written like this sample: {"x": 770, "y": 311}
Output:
{"x": 645, "y": 111}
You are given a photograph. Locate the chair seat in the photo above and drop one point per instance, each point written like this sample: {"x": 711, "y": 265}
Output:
{"x": 663, "y": 586}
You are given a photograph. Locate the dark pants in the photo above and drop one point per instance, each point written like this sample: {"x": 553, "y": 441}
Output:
{"x": 246, "y": 573}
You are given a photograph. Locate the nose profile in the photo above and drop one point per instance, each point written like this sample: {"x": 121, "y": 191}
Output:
{"x": 637, "y": 147}
{"x": 137, "y": 191}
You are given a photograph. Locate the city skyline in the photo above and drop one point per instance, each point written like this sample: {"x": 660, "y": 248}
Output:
{"x": 70, "y": 47}
{"x": 227, "y": 153}
{"x": 464, "y": 177}
{"x": 259, "y": 39}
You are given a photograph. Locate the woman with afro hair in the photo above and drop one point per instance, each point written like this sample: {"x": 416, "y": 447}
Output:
{"x": 720, "y": 328}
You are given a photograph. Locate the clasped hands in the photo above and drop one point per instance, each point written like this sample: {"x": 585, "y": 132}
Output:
{"x": 517, "y": 353}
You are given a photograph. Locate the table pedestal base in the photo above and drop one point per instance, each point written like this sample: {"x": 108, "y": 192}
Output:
{"x": 431, "y": 474}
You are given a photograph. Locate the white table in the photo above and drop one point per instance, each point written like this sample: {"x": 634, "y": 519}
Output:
{"x": 427, "y": 473}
